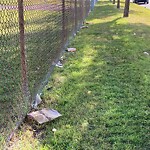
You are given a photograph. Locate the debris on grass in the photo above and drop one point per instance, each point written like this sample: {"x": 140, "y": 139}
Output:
{"x": 74, "y": 34}
{"x": 37, "y": 101}
{"x": 146, "y": 53}
{"x": 71, "y": 49}
{"x": 84, "y": 27}
{"x": 54, "y": 130}
{"x": 44, "y": 115}
{"x": 59, "y": 64}
{"x": 62, "y": 58}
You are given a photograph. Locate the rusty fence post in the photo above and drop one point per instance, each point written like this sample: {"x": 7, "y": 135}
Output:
{"x": 22, "y": 49}
{"x": 25, "y": 90}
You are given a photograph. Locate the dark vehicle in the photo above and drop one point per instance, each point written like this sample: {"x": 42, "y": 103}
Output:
{"x": 140, "y": 1}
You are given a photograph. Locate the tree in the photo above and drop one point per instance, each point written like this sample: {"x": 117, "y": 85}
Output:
{"x": 118, "y": 3}
{"x": 126, "y": 8}
{"x": 114, "y": 1}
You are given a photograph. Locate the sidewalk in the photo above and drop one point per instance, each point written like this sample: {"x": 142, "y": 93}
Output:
{"x": 103, "y": 89}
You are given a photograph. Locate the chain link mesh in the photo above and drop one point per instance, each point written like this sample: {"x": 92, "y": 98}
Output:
{"x": 12, "y": 103}
{"x": 33, "y": 33}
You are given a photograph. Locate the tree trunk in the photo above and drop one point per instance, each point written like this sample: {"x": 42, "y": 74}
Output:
{"x": 118, "y": 3}
{"x": 126, "y": 8}
{"x": 114, "y": 2}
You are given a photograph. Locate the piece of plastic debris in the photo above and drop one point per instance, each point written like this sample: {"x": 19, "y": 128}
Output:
{"x": 37, "y": 101}
{"x": 146, "y": 53}
{"x": 62, "y": 58}
{"x": 59, "y": 64}
{"x": 44, "y": 115}
{"x": 89, "y": 92}
{"x": 71, "y": 49}
{"x": 83, "y": 27}
{"x": 134, "y": 33}
{"x": 54, "y": 130}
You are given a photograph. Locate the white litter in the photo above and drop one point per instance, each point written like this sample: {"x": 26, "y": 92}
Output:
{"x": 37, "y": 101}
{"x": 146, "y": 53}
{"x": 54, "y": 130}
{"x": 71, "y": 49}
{"x": 59, "y": 64}
{"x": 84, "y": 27}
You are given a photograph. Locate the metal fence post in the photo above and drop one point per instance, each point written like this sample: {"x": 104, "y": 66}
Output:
{"x": 22, "y": 49}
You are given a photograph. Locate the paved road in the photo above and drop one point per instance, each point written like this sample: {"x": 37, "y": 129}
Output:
{"x": 145, "y": 5}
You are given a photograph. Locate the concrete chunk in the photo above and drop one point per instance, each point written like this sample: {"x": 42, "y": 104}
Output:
{"x": 44, "y": 115}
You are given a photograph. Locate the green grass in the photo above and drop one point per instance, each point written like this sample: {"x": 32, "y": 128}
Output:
{"x": 103, "y": 90}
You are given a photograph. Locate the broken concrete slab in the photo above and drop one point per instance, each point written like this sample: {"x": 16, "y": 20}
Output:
{"x": 44, "y": 115}
{"x": 37, "y": 116}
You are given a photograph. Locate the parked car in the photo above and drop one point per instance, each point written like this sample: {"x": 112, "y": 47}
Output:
{"x": 140, "y": 1}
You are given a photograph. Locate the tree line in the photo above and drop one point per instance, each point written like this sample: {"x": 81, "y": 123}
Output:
{"x": 126, "y": 7}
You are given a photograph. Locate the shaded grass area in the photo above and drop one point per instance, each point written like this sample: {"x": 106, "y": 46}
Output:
{"x": 103, "y": 89}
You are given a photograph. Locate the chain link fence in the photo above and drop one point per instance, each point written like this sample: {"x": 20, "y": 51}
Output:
{"x": 33, "y": 34}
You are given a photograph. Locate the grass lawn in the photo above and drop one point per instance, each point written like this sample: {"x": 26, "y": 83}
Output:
{"x": 103, "y": 89}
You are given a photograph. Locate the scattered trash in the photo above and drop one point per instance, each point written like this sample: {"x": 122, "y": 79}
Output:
{"x": 37, "y": 68}
{"x": 146, "y": 53}
{"x": 89, "y": 92}
{"x": 62, "y": 58}
{"x": 84, "y": 27}
{"x": 59, "y": 64}
{"x": 44, "y": 115}
{"x": 71, "y": 49}
{"x": 54, "y": 130}
{"x": 37, "y": 101}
